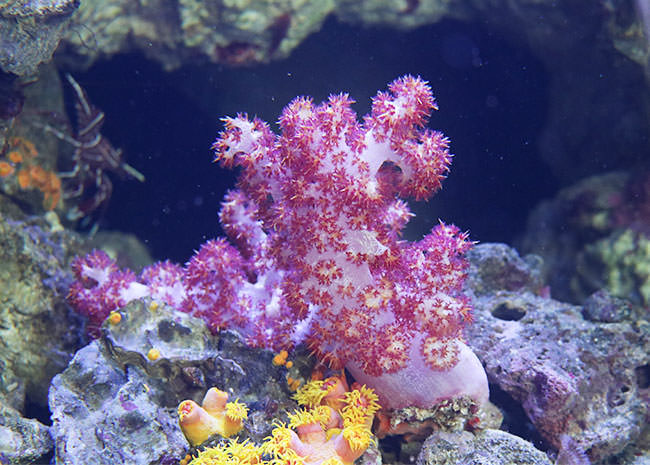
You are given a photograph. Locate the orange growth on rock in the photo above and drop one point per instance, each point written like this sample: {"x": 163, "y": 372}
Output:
{"x": 6, "y": 169}
{"x": 22, "y": 157}
{"x": 15, "y": 157}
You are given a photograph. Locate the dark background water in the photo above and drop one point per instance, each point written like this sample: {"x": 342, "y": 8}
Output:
{"x": 492, "y": 97}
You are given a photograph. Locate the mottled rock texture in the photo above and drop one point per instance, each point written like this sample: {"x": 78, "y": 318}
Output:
{"x": 30, "y": 31}
{"x": 37, "y": 336}
{"x": 572, "y": 376}
{"x": 114, "y": 398}
{"x": 489, "y": 447}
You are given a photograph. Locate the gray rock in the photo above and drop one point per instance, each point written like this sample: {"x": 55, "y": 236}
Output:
{"x": 561, "y": 228}
{"x": 183, "y": 31}
{"x": 37, "y": 336}
{"x": 22, "y": 440}
{"x": 586, "y": 379}
{"x": 594, "y": 235}
{"x": 497, "y": 266}
{"x": 489, "y": 447}
{"x": 99, "y": 406}
{"x": 603, "y": 307}
{"x": 30, "y": 31}
{"x": 115, "y": 399}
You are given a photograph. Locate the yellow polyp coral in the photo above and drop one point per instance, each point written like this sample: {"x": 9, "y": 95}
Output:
{"x": 236, "y": 411}
{"x": 360, "y": 406}
{"x": 331, "y": 461}
{"x": 333, "y": 429}
{"x": 214, "y": 416}
{"x": 245, "y": 452}
{"x": 305, "y": 417}
{"x": 278, "y": 444}
{"x": 322, "y": 392}
{"x": 327, "y": 416}
{"x": 357, "y": 436}
{"x": 310, "y": 394}
{"x": 312, "y": 444}
{"x": 196, "y": 424}
{"x": 230, "y": 453}
{"x": 211, "y": 456}
{"x": 322, "y": 433}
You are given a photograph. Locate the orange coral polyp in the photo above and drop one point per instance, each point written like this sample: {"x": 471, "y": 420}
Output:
{"x": 15, "y": 157}
{"x": 24, "y": 180}
{"x": 215, "y": 401}
{"x": 215, "y": 416}
{"x": 38, "y": 175}
{"x": 280, "y": 359}
{"x": 6, "y": 169}
{"x": 38, "y": 178}
{"x": 197, "y": 425}
{"x": 53, "y": 182}
{"x": 24, "y": 146}
{"x": 31, "y": 175}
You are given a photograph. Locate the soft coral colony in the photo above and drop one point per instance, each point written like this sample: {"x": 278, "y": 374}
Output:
{"x": 316, "y": 224}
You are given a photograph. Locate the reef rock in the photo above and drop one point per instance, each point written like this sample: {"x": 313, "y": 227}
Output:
{"x": 489, "y": 447}
{"x": 595, "y": 234}
{"x": 22, "y": 440}
{"x": 182, "y": 31}
{"x": 116, "y": 398}
{"x": 587, "y": 379}
{"x": 35, "y": 335}
{"x": 30, "y": 31}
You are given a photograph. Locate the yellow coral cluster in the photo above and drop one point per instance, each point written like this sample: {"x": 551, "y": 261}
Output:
{"x": 330, "y": 392}
{"x": 332, "y": 428}
{"x": 360, "y": 406}
{"x": 230, "y": 453}
{"x": 215, "y": 415}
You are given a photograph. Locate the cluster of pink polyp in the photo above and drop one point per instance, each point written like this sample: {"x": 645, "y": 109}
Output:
{"x": 317, "y": 219}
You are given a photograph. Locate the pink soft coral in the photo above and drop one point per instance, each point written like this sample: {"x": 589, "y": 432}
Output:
{"x": 317, "y": 221}
{"x": 326, "y": 195}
